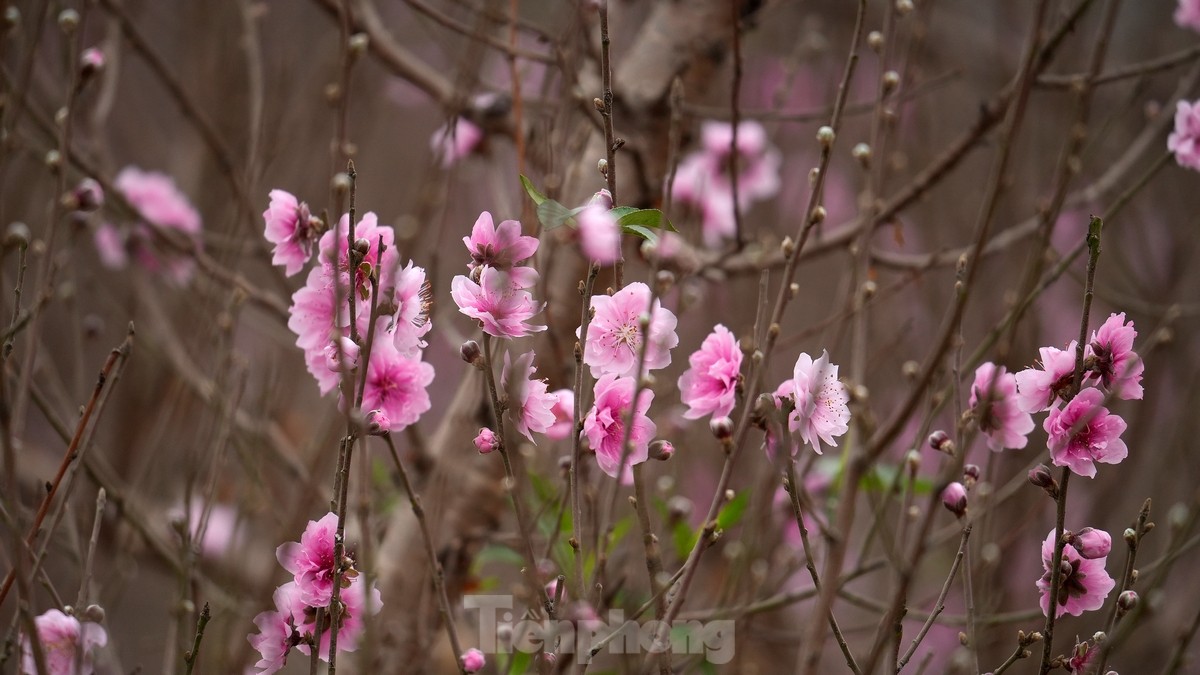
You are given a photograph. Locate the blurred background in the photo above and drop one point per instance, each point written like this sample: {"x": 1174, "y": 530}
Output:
{"x": 232, "y": 99}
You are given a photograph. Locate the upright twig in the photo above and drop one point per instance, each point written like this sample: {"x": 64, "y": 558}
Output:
{"x": 189, "y": 657}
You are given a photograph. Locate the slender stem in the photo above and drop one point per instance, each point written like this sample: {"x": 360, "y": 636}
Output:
{"x": 576, "y": 539}
{"x": 435, "y": 565}
{"x": 190, "y": 657}
{"x": 735, "y": 94}
{"x": 1055, "y": 571}
{"x": 1019, "y": 653}
{"x": 653, "y": 559}
{"x": 611, "y": 143}
{"x": 940, "y": 605}
{"x": 1134, "y": 543}
{"x": 82, "y": 597}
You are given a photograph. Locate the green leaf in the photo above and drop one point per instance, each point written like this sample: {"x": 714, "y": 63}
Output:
{"x": 501, "y": 555}
{"x": 552, "y": 214}
{"x": 644, "y": 217}
{"x": 536, "y": 196}
{"x": 731, "y": 514}
{"x": 521, "y": 662}
{"x": 640, "y": 231}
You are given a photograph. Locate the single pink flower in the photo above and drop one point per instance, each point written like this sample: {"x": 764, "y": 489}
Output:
{"x": 61, "y": 636}
{"x": 531, "y": 405}
{"x": 1084, "y": 584}
{"x": 311, "y": 561}
{"x": 564, "y": 415}
{"x": 1092, "y": 543}
{"x": 1084, "y": 432}
{"x": 604, "y": 425}
{"x": 758, "y": 162}
{"x": 412, "y": 297}
{"x": 1183, "y": 140}
{"x": 472, "y": 660}
{"x": 1083, "y": 659}
{"x": 994, "y": 402}
{"x": 155, "y": 196}
{"x": 275, "y": 638}
{"x": 709, "y": 385}
{"x": 486, "y": 440}
{"x": 502, "y": 247}
{"x": 614, "y": 337}
{"x": 289, "y": 227}
{"x": 1037, "y": 389}
{"x": 454, "y": 141}
{"x": 599, "y": 234}
{"x": 502, "y": 308}
{"x": 821, "y": 402}
{"x": 694, "y": 186}
{"x": 1187, "y": 14}
{"x": 397, "y": 385}
{"x": 1113, "y": 358}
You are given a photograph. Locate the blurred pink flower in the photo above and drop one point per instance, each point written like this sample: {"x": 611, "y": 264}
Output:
{"x": 485, "y": 441}
{"x": 1118, "y": 366}
{"x": 155, "y": 196}
{"x": 110, "y": 244}
{"x": 564, "y": 415}
{"x": 1084, "y": 583}
{"x": 599, "y": 234}
{"x": 61, "y": 637}
{"x": 709, "y": 385}
{"x": 500, "y": 246}
{"x": 92, "y": 59}
{"x": 758, "y": 161}
{"x": 1182, "y": 141}
{"x": 1038, "y": 388}
{"x": 311, "y": 561}
{"x": 1187, "y": 14}
{"x": 397, "y": 385}
{"x": 355, "y": 599}
{"x": 161, "y": 207}
{"x": 1084, "y": 432}
{"x": 531, "y": 405}
{"x": 821, "y": 402}
{"x": 454, "y": 140}
{"x": 221, "y": 531}
{"x": 994, "y": 401}
{"x": 615, "y": 337}
{"x": 472, "y": 660}
{"x": 604, "y": 426}
{"x": 289, "y": 227}
{"x": 500, "y": 306}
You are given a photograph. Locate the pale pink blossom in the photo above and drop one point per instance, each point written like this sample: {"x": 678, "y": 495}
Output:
{"x": 1092, "y": 543}
{"x": 502, "y": 246}
{"x": 614, "y": 338}
{"x": 500, "y": 306}
{"x": 599, "y": 234}
{"x": 1113, "y": 359}
{"x": 1183, "y": 140}
{"x": 564, "y": 415}
{"x": 531, "y": 404}
{"x": 709, "y": 385}
{"x": 1084, "y": 659}
{"x": 486, "y": 441}
{"x": 454, "y": 140}
{"x": 1038, "y": 388}
{"x": 311, "y": 561}
{"x": 1187, "y": 14}
{"x": 1084, "y": 584}
{"x": 604, "y": 425}
{"x": 1084, "y": 432}
{"x": 221, "y": 531}
{"x": 694, "y": 186}
{"x": 472, "y": 660}
{"x": 412, "y": 297}
{"x": 396, "y": 384}
{"x": 155, "y": 196}
{"x": 61, "y": 636}
{"x": 289, "y": 227}
{"x": 994, "y": 402}
{"x": 110, "y": 244}
{"x": 822, "y": 410}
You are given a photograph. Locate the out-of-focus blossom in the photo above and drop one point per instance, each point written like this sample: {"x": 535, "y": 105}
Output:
{"x": 162, "y": 208}
{"x": 1113, "y": 359}
{"x": 531, "y": 404}
{"x": 604, "y": 425}
{"x": 500, "y": 306}
{"x": 1037, "y": 388}
{"x": 1084, "y": 583}
{"x": 91, "y": 60}
{"x": 158, "y": 200}
{"x": 499, "y": 246}
{"x": 709, "y": 385}
{"x": 455, "y": 140}
{"x": 564, "y": 415}
{"x": 614, "y": 338}
{"x": 61, "y": 637}
{"x": 1187, "y": 14}
{"x": 994, "y": 401}
{"x": 88, "y": 195}
{"x": 110, "y": 244}
{"x": 1084, "y": 432}
{"x": 822, "y": 411}
{"x": 311, "y": 561}
{"x": 289, "y": 226}
{"x": 599, "y": 234}
{"x": 1183, "y": 140}
{"x": 396, "y": 384}
{"x": 221, "y": 531}
{"x": 472, "y": 660}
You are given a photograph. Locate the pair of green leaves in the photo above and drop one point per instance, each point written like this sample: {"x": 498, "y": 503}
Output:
{"x": 638, "y": 222}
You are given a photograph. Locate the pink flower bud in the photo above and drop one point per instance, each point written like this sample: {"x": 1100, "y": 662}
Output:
{"x": 471, "y": 353}
{"x": 954, "y": 497}
{"x": 486, "y": 441}
{"x": 971, "y": 473}
{"x": 1041, "y": 477}
{"x": 1092, "y": 543}
{"x": 91, "y": 60}
{"x": 88, "y": 195}
{"x": 1127, "y": 600}
{"x": 721, "y": 427}
{"x": 378, "y": 423}
{"x": 472, "y": 660}
{"x": 940, "y": 441}
{"x": 603, "y": 198}
{"x": 661, "y": 450}
{"x": 341, "y": 358}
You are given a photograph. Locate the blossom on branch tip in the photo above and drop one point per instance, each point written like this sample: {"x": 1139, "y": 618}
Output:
{"x": 1083, "y": 583}
{"x": 486, "y": 441}
{"x": 1113, "y": 360}
{"x": 615, "y": 334}
{"x": 1038, "y": 388}
{"x": 1183, "y": 140}
{"x": 604, "y": 426}
{"x": 709, "y": 385}
{"x": 994, "y": 402}
{"x": 1083, "y": 432}
{"x": 289, "y": 226}
{"x": 499, "y": 246}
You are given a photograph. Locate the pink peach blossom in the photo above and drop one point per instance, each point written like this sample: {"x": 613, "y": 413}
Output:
{"x": 311, "y": 561}
{"x": 821, "y": 402}
{"x": 501, "y": 246}
{"x": 1084, "y": 432}
{"x": 529, "y": 401}
{"x": 501, "y": 307}
{"x": 486, "y": 441}
{"x": 358, "y": 602}
{"x": 1113, "y": 358}
{"x": 1187, "y": 14}
{"x": 289, "y": 227}
{"x": 599, "y": 234}
{"x": 1038, "y": 388}
{"x": 758, "y": 161}
{"x": 472, "y": 660}
{"x": 994, "y": 401}
{"x": 564, "y": 415}
{"x": 615, "y": 336}
{"x": 61, "y": 637}
{"x": 277, "y": 634}
{"x": 397, "y": 385}
{"x": 709, "y": 385}
{"x": 1183, "y": 140}
{"x": 1084, "y": 584}
{"x": 110, "y": 245}
{"x": 604, "y": 425}
{"x": 157, "y": 199}
{"x": 454, "y": 140}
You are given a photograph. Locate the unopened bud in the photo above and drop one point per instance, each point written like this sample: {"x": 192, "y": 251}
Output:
{"x": 17, "y": 235}
{"x": 53, "y": 160}
{"x": 954, "y": 498}
{"x": 68, "y": 21}
{"x": 825, "y": 136}
{"x": 679, "y": 508}
{"x": 862, "y": 153}
{"x": 971, "y": 473}
{"x": 357, "y": 46}
{"x": 602, "y": 167}
{"x": 362, "y": 246}
{"x": 486, "y": 440}
{"x": 1126, "y": 601}
{"x": 904, "y": 6}
{"x": 891, "y": 80}
{"x": 875, "y": 40}
{"x": 87, "y": 196}
{"x": 91, "y": 61}
{"x": 1092, "y": 543}
{"x": 341, "y": 182}
{"x": 940, "y": 440}
{"x": 721, "y": 427}
{"x": 912, "y": 460}
{"x": 378, "y": 423}
{"x": 93, "y": 613}
{"x": 1041, "y": 477}
{"x": 661, "y": 450}
{"x": 664, "y": 280}
{"x": 1129, "y": 536}
{"x": 602, "y": 198}
{"x": 818, "y": 215}
{"x": 471, "y": 353}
